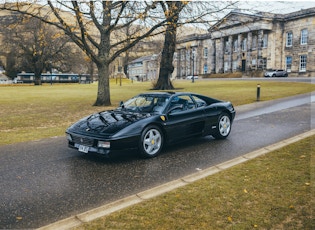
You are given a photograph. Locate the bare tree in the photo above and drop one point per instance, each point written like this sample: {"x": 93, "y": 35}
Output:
{"x": 181, "y": 13}
{"x": 103, "y": 18}
{"x": 36, "y": 46}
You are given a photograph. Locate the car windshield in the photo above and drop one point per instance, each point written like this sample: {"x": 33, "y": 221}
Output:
{"x": 147, "y": 103}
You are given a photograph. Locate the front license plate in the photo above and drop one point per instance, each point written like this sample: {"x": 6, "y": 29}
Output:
{"x": 84, "y": 149}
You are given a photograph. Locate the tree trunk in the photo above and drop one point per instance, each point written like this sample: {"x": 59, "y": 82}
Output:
{"x": 166, "y": 64}
{"x": 37, "y": 81}
{"x": 103, "y": 92}
{"x": 37, "y": 77}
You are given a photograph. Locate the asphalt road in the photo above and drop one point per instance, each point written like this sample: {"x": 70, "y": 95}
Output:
{"x": 44, "y": 181}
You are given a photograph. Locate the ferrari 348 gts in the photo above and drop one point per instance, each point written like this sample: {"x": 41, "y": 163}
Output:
{"x": 148, "y": 121}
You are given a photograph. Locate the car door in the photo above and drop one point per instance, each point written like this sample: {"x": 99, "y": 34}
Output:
{"x": 279, "y": 73}
{"x": 212, "y": 113}
{"x": 184, "y": 119}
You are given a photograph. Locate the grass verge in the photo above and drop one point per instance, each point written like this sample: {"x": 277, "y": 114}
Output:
{"x": 274, "y": 191}
{"x": 35, "y": 112}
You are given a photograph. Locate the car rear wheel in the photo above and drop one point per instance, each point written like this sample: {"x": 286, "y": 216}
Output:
{"x": 223, "y": 128}
{"x": 151, "y": 142}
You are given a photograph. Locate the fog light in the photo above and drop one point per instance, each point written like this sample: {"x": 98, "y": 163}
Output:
{"x": 69, "y": 137}
{"x": 104, "y": 144}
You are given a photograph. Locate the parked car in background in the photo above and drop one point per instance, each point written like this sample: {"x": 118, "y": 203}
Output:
{"x": 276, "y": 73}
{"x": 17, "y": 81}
{"x": 191, "y": 77}
{"x": 151, "y": 120}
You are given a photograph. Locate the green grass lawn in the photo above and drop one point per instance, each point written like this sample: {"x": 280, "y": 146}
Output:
{"x": 35, "y": 112}
{"x": 274, "y": 191}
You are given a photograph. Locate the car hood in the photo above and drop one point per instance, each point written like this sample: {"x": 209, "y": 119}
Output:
{"x": 107, "y": 122}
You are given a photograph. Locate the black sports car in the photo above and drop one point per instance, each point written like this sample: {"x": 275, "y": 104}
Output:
{"x": 150, "y": 120}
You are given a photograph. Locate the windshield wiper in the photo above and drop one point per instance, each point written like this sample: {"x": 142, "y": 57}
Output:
{"x": 114, "y": 116}
{"x": 126, "y": 117}
{"x": 103, "y": 119}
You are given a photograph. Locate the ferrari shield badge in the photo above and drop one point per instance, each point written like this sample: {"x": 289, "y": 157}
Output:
{"x": 163, "y": 118}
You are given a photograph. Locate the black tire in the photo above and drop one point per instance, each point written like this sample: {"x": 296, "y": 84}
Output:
{"x": 151, "y": 141}
{"x": 273, "y": 75}
{"x": 224, "y": 126}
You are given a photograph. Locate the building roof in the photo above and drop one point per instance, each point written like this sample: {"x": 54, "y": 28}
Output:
{"x": 3, "y": 77}
{"x": 247, "y": 17}
{"x": 144, "y": 58}
{"x": 300, "y": 14}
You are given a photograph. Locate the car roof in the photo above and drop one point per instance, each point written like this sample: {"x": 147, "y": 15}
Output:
{"x": 167, "y": 93}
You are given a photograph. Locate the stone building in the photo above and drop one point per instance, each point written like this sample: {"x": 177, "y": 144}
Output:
{"x": 251, "y": 43}
{"x": 145, "y": 68}
{"x": 192, "y": 53}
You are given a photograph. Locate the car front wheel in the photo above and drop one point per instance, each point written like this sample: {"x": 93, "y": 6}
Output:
{"x": 223, "y": 128}
{"x": 151, "y": 142}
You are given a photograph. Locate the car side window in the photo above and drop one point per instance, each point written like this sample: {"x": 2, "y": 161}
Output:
{"x": 159, "y": 104}
{"x": 199, "y": 102}
{"x": 182, "y": 103}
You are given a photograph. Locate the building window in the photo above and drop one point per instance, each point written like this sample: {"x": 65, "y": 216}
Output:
{"x": 304, "y": 35}
{"x": 234, "y": 65}
{"x": 289, "y": 39}
{"x": 205, "y": 68}
{"x": 288, "y": 63}
{"x": 264, "y": 63}
{"x": 205, "y": 52}
{"x": 226, "y": 67}
{"x": 265, "y": 41}
{"x": 182, "y": 55}
{"x": 188, "y": 54}
{"x": 303, "y": 59}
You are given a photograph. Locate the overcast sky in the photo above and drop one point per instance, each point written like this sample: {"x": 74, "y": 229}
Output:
{"x": 277, "y": 6}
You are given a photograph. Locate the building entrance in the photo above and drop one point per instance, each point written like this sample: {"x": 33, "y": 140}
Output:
{"x": 243, "y": 65}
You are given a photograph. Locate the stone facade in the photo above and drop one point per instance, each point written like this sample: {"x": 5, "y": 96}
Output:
{"x": 145, "y": 68}
{"x": 251, "y": 43}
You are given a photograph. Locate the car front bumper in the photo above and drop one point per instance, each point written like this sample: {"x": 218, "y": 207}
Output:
{"x": 86, "y": 144}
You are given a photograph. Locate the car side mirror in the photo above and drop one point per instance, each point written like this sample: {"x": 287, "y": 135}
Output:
{"x": 121, "y": 104}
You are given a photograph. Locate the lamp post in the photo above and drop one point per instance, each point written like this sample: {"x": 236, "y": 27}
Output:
{"x": 193, "y": 66}
{"x": 50, "y": 70}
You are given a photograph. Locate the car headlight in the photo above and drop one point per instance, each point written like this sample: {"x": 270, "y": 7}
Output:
{"x": 69, "y": 137}
{"x": 103, "y": 144}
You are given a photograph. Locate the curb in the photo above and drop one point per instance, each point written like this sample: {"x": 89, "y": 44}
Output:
{"x": 77, "y": 220}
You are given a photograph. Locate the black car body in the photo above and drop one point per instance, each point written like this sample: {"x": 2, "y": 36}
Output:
{"x": 150, "y": 120}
